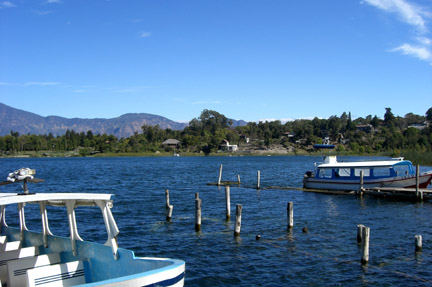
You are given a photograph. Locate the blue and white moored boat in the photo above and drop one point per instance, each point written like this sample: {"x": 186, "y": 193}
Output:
{"x": 334, "y": 175}
{"x": 30, "y": 258}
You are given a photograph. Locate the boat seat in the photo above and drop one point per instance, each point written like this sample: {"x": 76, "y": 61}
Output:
{"x": 17, "y": 269}
{"x": 12, "y": 255}
{"x": 8, "y": 246}
{"x": 66, "y": 274}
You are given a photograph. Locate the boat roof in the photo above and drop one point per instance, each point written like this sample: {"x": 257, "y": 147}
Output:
{"x": 365, "y": 164}
{"x": 53, "y": 198}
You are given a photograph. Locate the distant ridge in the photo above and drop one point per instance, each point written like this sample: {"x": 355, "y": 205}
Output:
{"x": 16, "y": 120}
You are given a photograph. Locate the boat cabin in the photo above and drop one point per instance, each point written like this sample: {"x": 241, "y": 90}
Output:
{"x": 333, "y": 169}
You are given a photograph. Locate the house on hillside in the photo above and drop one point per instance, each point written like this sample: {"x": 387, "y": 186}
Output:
{"x": 365, "y": 128}
{"x": 226, "y": 146}
{"x": 171, "y": 143}
{"x": 419, "y": 126}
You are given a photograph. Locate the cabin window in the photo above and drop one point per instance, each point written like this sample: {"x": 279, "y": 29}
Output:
{"x": 381, "y": 171}
{"x": 342, "y": 172}
{"x": 401, "y": 170}
{"x": 366, "y": 171}
{"x": 325, "y": 173}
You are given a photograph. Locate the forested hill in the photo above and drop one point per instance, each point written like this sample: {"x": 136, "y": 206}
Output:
{"x": 23, "y": 122}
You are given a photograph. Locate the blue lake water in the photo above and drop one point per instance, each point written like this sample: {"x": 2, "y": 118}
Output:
{"x": 328, "y": 255}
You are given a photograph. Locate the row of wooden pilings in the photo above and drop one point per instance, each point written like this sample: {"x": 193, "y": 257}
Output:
{"x": 363, "y": 232}
{"x": 169, "y": 211}
{"x": 363, "y": 235}
{"x": 220, "y": 182}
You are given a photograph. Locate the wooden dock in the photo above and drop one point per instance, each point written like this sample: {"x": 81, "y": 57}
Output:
{"x": 420, "y": 194}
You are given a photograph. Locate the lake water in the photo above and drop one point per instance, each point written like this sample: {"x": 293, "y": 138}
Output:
{"x": 328, "y": 255}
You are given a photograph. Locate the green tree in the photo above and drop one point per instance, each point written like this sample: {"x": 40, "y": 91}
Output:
{"x": 429, "y": 115}
{"x": 389, "y": 118}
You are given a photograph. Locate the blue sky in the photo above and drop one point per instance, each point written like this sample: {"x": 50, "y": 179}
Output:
{"x": 247, "y": 59}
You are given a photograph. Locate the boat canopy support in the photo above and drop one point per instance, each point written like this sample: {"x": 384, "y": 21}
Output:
{"x": 70, "y": 201}
{"x": 2, "y": 217}
{"x": 45, "y": 227}
{"x": 70, "y": 206}
{"x": 111, "y": 226}
{"x": 23, "y": 226}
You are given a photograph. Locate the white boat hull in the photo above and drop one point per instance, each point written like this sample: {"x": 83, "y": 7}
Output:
{"x": 354, "y": 184}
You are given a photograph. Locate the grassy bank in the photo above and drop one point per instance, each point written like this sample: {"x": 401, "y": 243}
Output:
{"x": 421, "y": 158}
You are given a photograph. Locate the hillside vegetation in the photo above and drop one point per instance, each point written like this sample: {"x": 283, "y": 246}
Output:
{"x": 409, "y": 136}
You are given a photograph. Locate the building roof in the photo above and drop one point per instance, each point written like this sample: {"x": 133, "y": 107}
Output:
{"x": 171, "y": 142}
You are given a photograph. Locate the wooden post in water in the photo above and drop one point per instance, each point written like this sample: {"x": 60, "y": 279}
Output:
{"x": 238, "y": 220}
{"x": 169, "y": 212}
{"x": 365, "y": 245}
{"x": 220, "y": 175}
{"x": 361, "y": 182}
{"x": 228, "y": 202}
{"x": 197, "y": 212}
{"x": 238, "y": 178}
{"x": 290, "y": 216}
{"x": 360, "y": 228}
{"x": 167, "y": 198}
{"x": 417, "y": 180}
{"x": 418, "y": 243}
{"x": 258, "y": 179}
{"x": 168, "y": 207}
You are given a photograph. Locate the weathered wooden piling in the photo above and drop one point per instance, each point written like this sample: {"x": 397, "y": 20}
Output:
{"x": 365, "y": 245}
{"x": 238, "y": 178}
{"x": 169, "y": 212}
{"x": 361, "y": 182}
{"x": 258, "y": 179}
{"x": 197, "y": 212}
{"x": 290, "y": 214}
{"x": 167, "y": 198}
{"x": 419, "y": 193}
{"x": 360, "y": 228}
{"x": 168, "y": 207}
{"x": 238, "y": 220}
{"x": 228, "y": 202}
{"x": 418, "y": 243}
{"x": 220, "y": 175}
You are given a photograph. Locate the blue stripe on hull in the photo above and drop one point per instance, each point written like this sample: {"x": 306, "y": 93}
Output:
{"x": 168, "y": 282}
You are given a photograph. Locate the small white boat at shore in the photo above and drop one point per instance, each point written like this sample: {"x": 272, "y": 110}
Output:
{"x": 333, "y": 175}
{"x": 30, "y": 258}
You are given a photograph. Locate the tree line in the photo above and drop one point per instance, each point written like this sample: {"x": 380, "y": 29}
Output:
{"x": 205, "y": 133}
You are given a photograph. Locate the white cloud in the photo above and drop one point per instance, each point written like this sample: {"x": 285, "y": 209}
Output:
{"x": 7, "y": 4}
{"x": 424, "y": 41}
{"x": 145, "y": 34}
{"x": 41, "y": 84}
{"x": 415, "y": 16}
{"x": 409, "y": 13}
{"x": 79, "y": 91}
{"x": 207, "y": 102}
{"x": 419, "y": 52}
{"x": 5, "y": 84}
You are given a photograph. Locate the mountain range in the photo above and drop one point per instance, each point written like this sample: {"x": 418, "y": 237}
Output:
{"x": 126, "y": 125}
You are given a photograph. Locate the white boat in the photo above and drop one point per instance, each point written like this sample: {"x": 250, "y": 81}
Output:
{"x": 39, "y": 258}
{"x": 393, "y": 173}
